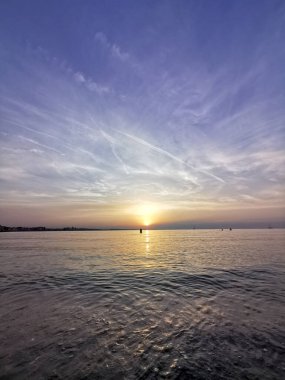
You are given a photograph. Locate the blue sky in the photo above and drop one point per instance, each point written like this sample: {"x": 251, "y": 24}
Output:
{"x": 116, "y": 112}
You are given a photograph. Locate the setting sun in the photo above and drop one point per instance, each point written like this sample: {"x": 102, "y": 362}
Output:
{"x": 147, "y": 213}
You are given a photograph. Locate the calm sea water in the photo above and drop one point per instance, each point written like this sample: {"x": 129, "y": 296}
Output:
{"x": 201, "y": 304}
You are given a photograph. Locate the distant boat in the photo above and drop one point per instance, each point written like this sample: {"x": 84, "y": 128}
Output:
{"x": 270, "y": 227}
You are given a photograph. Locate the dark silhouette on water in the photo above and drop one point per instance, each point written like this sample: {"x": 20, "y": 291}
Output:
{"x": 140, "y": 230}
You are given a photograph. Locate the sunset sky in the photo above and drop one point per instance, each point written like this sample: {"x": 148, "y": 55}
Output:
{"x": 128, "y": 113}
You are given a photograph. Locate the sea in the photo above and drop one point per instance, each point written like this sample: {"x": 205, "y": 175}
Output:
{"x": 177, "y": 304}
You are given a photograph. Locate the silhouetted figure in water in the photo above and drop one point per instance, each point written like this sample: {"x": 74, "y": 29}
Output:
{"x": 230, "y": 228}
{"x": 140, "y": 230}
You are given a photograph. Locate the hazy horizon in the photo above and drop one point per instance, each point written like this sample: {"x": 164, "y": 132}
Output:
{"x": 167, "y": 226}
{"x": 126, "y": 114}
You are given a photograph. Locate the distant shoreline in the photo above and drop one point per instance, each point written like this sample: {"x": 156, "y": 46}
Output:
{"x": 64, "y": 229}
{"x": 82, "y": 229}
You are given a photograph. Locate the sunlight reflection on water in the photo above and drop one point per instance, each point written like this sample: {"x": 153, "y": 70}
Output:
{"x": 161, "y": 304}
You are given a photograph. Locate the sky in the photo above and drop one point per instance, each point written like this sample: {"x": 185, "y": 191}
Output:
{"x": 129, "y": 113}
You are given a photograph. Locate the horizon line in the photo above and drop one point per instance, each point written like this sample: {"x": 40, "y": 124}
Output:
{"x": 5, "y": 228}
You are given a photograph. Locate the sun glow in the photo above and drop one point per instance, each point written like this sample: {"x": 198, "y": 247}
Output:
{"x": 147, "y": 213}
{"x": 147, "y": 222}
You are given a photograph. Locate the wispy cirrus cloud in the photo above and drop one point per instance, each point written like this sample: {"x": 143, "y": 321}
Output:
{"x": 91, "y": 84}
{"x": 99, "y": 132}
{"x": 115, "y": 50}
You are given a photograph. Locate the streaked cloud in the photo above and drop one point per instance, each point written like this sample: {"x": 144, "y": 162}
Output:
{"x": 95, "y": 134}
{"x": 90, "y": 84}
{"x": 115, "y": 50}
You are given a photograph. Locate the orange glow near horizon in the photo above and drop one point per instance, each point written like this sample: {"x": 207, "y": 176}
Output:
{"x": 138, "y": 214}
{"x": 147, "y": 213}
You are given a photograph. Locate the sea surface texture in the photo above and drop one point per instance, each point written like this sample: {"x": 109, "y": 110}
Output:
{"x": 191, "y": 304}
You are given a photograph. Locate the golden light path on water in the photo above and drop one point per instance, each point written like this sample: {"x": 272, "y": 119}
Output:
{"x": 157, "y": 304}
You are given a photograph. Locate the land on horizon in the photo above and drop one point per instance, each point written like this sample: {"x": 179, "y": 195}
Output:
{"x": 125, "y": 114}
{"x": 192, "y": 227}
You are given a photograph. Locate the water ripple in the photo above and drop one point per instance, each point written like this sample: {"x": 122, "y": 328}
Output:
{"x": 105, "y": 306}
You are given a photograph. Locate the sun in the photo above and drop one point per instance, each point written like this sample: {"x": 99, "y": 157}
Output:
{"x": 147, "y": 222}
{"x": 147, "y": 213}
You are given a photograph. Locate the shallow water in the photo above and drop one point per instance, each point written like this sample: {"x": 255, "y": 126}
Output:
{"x": 203, "y": 304}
